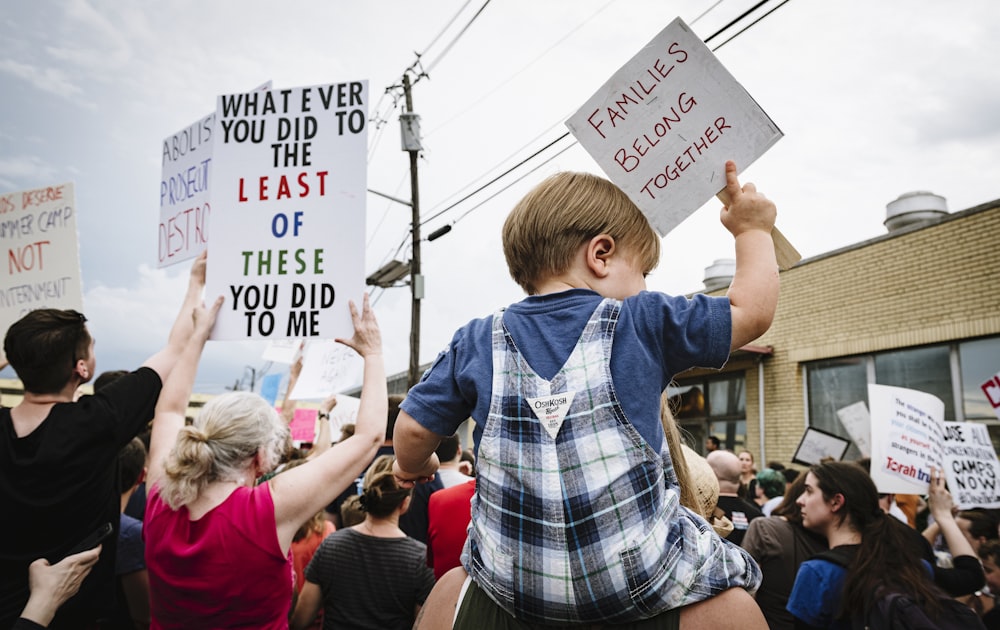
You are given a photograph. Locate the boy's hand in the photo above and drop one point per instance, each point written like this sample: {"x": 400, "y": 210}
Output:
{"x": 745, "y": 209}
{"x": 409, "y": 480}
{"x": 367, "y": 339}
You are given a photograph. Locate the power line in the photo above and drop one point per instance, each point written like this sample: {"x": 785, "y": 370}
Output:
{"x": 483, "y": 202}
{"x": 485, "y": 96}
{"x": 495, "y": 179}
{"x": 452, "y": 43}
{"x": 783, "y": 3}
{"x": 738, "y": 18}
{"x": 552, "y": 143}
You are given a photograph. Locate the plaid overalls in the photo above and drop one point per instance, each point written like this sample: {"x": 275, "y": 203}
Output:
{"x": 581, "y": 522}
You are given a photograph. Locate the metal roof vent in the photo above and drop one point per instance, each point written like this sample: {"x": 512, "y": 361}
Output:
{"x": 719, "y": 274}
{"x": 914, "y": 208}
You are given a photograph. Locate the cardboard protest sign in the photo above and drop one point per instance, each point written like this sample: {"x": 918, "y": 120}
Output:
{"x": 185, "y": 173}
{"x": 185, "y": 177}
{"x": 328, "y": 367}
{"x": 663, "y": 126}
{"x": 38, "y": 239}
{"x": 907, "y": 438}
{"x": 817, "y": 444}
{"x": 991, "y": 389}
{"x": 971, "y": 465}
{"x": 858, "y": 424}
{"x": 288, "y": 211}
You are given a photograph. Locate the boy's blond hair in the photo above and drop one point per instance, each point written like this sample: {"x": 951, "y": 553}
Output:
{"x": 546, "y": 228}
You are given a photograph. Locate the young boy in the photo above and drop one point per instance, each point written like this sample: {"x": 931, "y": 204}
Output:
{"x": 576, "y": 516}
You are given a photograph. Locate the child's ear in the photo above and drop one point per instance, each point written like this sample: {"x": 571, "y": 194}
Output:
{"x": 599, "y": 252}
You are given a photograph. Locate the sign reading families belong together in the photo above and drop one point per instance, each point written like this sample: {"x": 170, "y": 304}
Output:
{"x": 288, "y": 211}
{"x": 663, "y": 126}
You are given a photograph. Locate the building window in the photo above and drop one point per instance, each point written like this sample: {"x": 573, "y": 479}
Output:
{"x": 924, "y": 369}
{"x": 953, "y": 372}
{"x": 833, "y": 385}
{"x": 722, "y": 412}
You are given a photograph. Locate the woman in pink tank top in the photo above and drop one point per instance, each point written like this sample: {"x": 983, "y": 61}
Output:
{"x": 217, "y": 546}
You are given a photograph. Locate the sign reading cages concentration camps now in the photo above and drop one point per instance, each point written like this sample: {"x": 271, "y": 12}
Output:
{"x": 41, "y": 260}
{"x": 288, "y": 211}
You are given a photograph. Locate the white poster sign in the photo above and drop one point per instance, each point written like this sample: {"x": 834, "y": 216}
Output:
{"x": 663, "y": 126}
{"x": 328, "y": 367}
{"x": 185, "y": 173}
{"x": 907, "y": 437}
{"x": 991, "y": 389}
{"x": 185, "y": 177}
{"x": 858, "y": 424}
{"x": 41, "y": 260}
{"x": 282, "y": 350}
{"x": 288, "y": 211}
{"x": 971, "y": 465}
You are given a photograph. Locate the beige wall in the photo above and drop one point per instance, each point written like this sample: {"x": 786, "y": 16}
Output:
{"x": 918, "y": 286}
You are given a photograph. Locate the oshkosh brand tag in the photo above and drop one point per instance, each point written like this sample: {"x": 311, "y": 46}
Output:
{"x": 551, "y": 410}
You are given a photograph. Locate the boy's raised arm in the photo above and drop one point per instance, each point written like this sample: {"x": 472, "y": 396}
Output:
{"x": 414, "y": 446}
{"x": 753, "y": 293}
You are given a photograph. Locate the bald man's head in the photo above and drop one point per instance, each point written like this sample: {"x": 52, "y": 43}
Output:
{"x": 726, "y": 466}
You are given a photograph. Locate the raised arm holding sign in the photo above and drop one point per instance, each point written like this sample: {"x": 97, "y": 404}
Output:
{"x": 663, "y": 126}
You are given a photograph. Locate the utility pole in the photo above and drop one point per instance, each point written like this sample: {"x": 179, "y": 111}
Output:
{"x": 410, "y": 126}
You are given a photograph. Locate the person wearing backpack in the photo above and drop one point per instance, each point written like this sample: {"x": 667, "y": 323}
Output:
{"x": 875, "y": 575}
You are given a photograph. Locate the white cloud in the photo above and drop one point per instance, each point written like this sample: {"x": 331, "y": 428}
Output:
{"x": 51, "y": 80}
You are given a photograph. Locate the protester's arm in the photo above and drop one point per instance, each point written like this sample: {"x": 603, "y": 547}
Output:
{"x": 296, "y": 492}
{"x": 322, "y": 440}
{"x": 307, "y": 606}
{"x": 753, "y": 293}
{"x": 967, "y": 575}
{"x": 163, "y": 362}
{"x": 288, "y": 405}
{"x": 414, "y": 446}
{"x": 52, "y": 584}
{"x": 171, "y": 408}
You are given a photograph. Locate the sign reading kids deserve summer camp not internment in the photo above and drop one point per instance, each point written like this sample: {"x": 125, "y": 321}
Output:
{"x": 41, "y": 261}
{"x": 664, "y": 125}
{"x": 288, "y": 211}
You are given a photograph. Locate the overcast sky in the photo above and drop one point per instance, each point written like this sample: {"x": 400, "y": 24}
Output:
{"x": 874, "y": 98}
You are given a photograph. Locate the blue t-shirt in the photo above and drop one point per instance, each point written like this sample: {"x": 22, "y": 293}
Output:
{"x": 131, "y": 550}
{"x": 657, "y": 337}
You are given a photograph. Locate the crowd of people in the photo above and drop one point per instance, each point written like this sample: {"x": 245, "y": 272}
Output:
{"x": 580, "y": 506}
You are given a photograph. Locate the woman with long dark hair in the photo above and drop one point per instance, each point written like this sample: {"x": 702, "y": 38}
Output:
{"x": 881, "y": 554}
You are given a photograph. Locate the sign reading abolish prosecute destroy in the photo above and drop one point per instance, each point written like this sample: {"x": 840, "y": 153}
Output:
{"x": 664, "y": 125}
{"x": 288, "y": 211}
{"x": 41, "y": 261}
{"x": 185, "y": 178}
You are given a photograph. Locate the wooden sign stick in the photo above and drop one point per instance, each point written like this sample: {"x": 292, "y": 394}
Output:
{"x": 784, "y": 252}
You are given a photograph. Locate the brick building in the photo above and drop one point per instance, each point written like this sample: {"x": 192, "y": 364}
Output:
{"x": 918, "y": 307}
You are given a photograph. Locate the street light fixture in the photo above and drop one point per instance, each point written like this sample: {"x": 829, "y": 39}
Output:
{"x": 389, "y": 274}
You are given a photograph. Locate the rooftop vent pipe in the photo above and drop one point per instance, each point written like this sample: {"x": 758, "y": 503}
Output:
{"x": 914, "y": 208}
{"x": 719, "y": 274}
